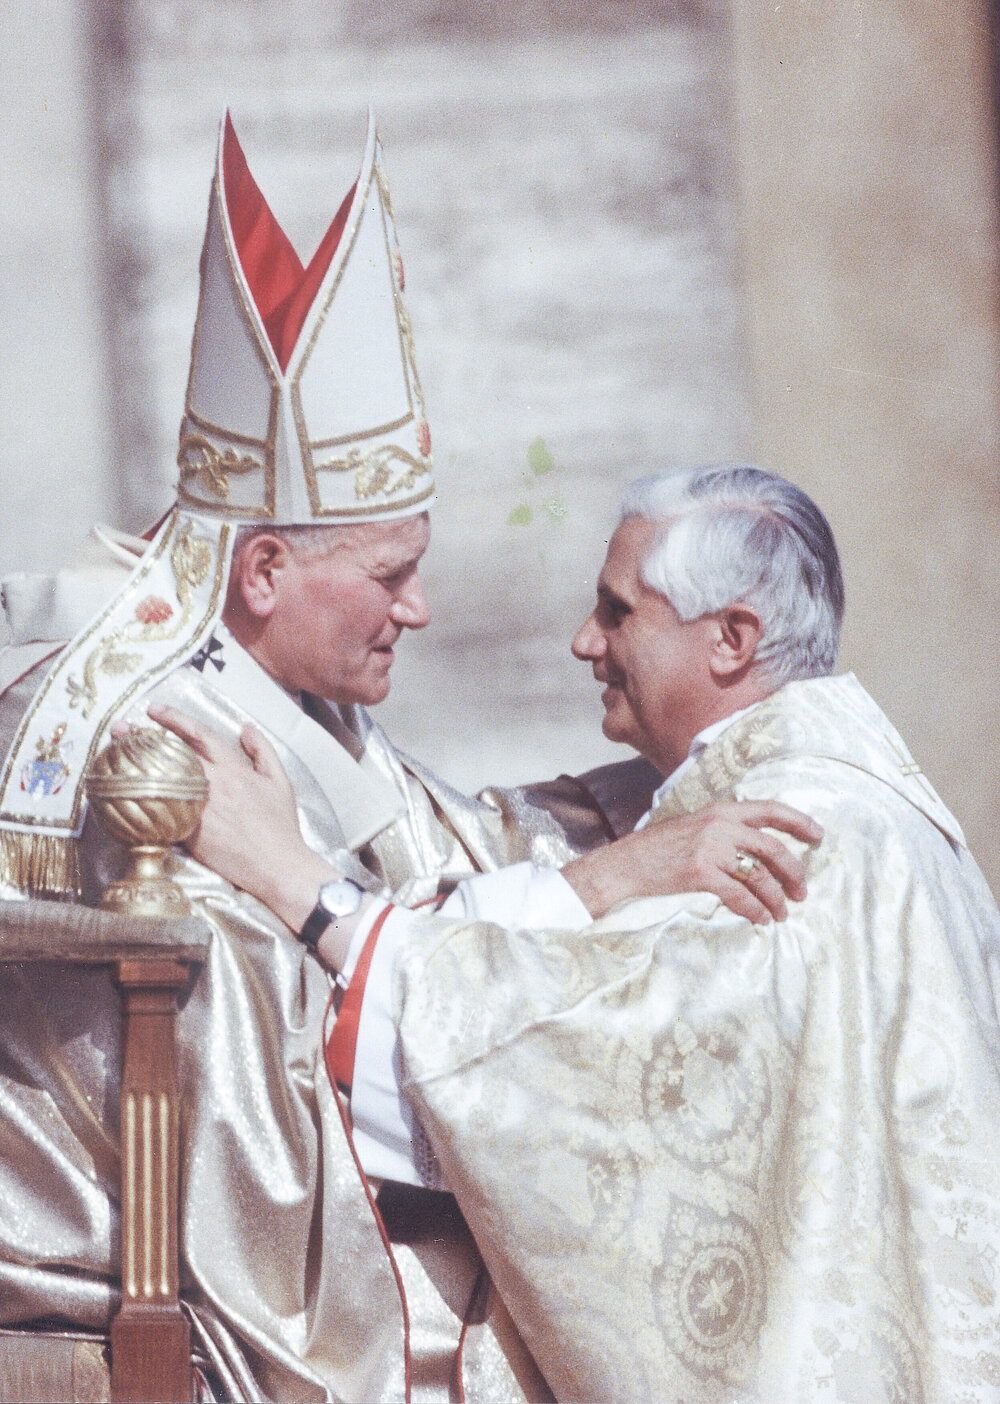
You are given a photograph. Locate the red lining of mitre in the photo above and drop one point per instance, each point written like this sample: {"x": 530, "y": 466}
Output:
{"x": 281, "y": 288}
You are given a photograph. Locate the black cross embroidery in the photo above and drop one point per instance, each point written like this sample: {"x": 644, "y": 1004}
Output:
{"x": 207, "y": 655}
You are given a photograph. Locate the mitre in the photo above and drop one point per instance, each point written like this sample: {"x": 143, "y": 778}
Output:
{"x": 303, "y": 405}
{"x": 303, "y": 402}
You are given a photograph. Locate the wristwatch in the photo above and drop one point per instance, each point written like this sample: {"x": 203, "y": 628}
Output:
{"x": 341, "y": 897}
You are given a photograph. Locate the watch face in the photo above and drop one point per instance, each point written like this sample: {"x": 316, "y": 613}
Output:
{"x": 340, "y": 898}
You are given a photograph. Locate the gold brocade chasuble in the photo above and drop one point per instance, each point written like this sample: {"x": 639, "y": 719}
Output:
{"x": 708, "y": 1161}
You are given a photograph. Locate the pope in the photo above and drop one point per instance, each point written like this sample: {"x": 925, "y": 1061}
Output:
{"x": 273, "y": 595}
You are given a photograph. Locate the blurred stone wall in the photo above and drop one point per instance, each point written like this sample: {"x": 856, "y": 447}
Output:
{"x": 56, "y": 465}
{"x": 563, "y": 186}
{"x": 868, "y": 141}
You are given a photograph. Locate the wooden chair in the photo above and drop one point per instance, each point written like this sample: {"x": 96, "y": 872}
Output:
{"x": 148, "y": 791}
{"x": 152, "y": 959}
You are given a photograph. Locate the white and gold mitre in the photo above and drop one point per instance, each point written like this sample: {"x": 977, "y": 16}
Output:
{"x": 303, "y": 406}
{"x": 303, "y": 401}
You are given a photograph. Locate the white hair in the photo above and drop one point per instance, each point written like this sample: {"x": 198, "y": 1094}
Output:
{"x": 310, "y": 539}
{"x": 735, "y": 533}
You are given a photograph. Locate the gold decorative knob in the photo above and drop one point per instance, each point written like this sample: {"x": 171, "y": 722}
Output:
{"x": 147, "y": 790}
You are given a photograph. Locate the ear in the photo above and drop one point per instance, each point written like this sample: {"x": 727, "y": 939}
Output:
{"x": 256, "y": 576}
{"x": 734, "y": 642}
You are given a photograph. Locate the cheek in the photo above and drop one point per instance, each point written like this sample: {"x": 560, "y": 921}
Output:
{"x": 361, "y": 618}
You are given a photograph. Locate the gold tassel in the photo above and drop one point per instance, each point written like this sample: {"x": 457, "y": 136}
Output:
{"x": 42, "y": 865}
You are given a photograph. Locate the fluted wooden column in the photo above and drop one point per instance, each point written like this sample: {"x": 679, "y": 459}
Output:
{"x": 150, "y": 1336}
{"x": 152, "y": 960}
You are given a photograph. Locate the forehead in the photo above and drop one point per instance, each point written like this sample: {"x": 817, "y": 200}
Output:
{"x": 387, "y": 544}
{"x": 626, "y": 552}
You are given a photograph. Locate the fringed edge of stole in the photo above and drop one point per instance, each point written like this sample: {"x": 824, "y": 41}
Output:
{"x": 42, "y": 865}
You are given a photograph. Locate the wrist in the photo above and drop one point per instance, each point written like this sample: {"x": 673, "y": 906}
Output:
{"x": 334, "y": 945}
{"x": 292, "y": 889}
{"x": 586, "y": 877}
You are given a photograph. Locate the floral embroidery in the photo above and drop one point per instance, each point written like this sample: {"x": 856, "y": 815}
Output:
{"x": 153, "y": 610}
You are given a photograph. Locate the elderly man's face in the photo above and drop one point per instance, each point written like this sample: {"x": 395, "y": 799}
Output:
{"x": 337, "y": 615}
{"x": 654, "y": 667}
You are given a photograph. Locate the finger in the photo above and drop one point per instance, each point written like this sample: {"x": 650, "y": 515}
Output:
{"x": 200, "y": 738}
{"x": 772, "y": 814}
{"x": 262, "y": 753}
{"x": 783, "y": 865}
{"x": 768, "y": 892}
{"x": 741, "y": 901}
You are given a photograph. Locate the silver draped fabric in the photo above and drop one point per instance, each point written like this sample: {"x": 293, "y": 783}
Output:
{"x": 285, "y": 1274}
{"x": 708, "y": 1161}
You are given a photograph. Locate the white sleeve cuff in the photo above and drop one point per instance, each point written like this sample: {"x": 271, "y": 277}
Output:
{"x": 361, "y": 934}
{"x": 387, "y": 1136}
{"x": 521, "y": 897}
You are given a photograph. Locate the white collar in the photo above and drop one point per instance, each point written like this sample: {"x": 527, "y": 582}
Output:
{"x": 362, "y": 798}
{"x": 704, "y": 738}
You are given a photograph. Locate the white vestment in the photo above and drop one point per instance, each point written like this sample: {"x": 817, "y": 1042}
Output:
{"x": 711, "y": 1161}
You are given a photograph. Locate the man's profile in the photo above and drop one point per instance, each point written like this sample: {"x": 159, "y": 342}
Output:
{"x": 706, "y": 1158}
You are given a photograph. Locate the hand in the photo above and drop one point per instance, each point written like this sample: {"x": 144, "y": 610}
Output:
{"x": 698, "y": 853}
{"x": 249, "y": 833}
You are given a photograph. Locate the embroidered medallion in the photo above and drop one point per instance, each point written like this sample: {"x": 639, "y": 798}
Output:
{"x": 48, "y": 772}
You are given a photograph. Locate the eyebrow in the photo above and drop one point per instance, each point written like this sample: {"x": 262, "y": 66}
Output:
{"x": 392, "y": 565}
{"x": 611, "y": 597}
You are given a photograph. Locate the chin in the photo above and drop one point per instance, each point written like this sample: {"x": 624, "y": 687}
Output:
{"x": 613, "y": 730}
{"x": 363, "y": 692}
{"x": 376, "y": 692}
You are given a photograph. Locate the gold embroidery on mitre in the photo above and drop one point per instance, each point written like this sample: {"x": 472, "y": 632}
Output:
{"x": 372, "y": 473}
{"x": 198, "y": 457}
{"x": 190, "y": 560}
{"x": 403, "y": 317}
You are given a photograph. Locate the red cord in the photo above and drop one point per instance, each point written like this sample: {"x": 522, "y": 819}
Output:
{"x": 331, "y": 1061}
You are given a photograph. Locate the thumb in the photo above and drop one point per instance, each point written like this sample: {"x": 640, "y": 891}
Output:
{"x": 261, "y": 753}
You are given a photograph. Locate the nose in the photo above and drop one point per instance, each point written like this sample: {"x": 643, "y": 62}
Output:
{"x": 589, "y": 643}
{"x": 410, "y": 608}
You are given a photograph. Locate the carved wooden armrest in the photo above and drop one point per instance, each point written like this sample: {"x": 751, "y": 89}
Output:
{"x": 152, "y": 959}
{"x": 148, "y": 791}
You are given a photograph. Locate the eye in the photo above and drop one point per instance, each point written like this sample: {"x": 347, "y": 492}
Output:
{"x": 396, "y": 580}
{"x": 611, "y": 610}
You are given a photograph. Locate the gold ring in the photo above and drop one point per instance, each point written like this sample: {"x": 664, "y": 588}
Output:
{"x": 745, "y": 866}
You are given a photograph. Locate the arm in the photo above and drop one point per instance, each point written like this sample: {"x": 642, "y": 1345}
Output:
{"x": 272, "y": 862}
{"x": 698, "y": 853}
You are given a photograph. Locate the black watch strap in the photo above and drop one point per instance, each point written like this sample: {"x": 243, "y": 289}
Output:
{"x": 315, "y": 924}
{"x": 341, "y": 897}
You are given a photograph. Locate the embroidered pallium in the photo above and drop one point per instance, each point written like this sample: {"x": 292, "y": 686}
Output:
{"x": 48, "y": 772}
{"x": 158, "y": 618}
{"x": 190, "y": 560}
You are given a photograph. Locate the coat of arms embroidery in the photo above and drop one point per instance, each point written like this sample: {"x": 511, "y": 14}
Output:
{"x": 48, "y": 772}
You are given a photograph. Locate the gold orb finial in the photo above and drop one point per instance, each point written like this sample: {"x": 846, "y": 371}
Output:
{"x": 148, "y": 790}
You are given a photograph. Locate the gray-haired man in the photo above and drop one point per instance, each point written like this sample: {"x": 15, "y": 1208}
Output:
{"x": 706, "y": 1159}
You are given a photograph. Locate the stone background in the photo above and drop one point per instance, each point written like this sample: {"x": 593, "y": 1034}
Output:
{"x": 563, "y": 186}
{"x": 645, "y": 233}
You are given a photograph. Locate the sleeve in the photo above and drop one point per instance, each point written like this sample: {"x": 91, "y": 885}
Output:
{"x": 387, "y": 1137}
